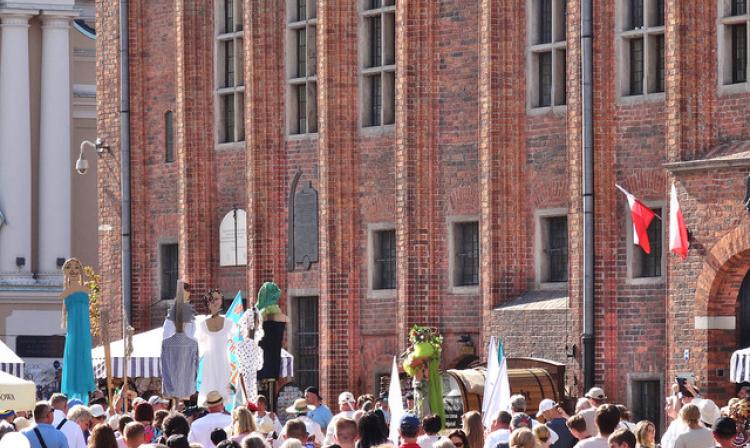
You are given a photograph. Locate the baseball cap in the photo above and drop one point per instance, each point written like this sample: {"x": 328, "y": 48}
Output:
{"x": 710, "y": 413}
{"x": 725, "y": 426}
{"x": 7, "y": 413}
{"x": 347, "y": 397}
{"x": 155, "y": 399}
{"x": 520, "y": 420}
{"x": 545, "y": 405}
{"x": 409, "y": 422}
{"x": 597, "y": 393}
{"x": 97, "y": 411}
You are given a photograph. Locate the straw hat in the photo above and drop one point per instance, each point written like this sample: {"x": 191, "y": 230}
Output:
{"x": 213, "y": 398}
{"x": 300, "y": 406}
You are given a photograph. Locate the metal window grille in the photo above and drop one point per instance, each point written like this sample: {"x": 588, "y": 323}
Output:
{"x": 636, "y": 14}
{"x": 301, "y": 53}
{"x": 739, "y": 53}
{"x": 659, "y": 80}
{"x": 228, "y": 16}
{"x": 385, "y": 260}
{"x": 169, "y": 270}
{"x": 647, "y": 401}
{"x": 651, "y": 263}
{"x": 301, "y": 109}
{"x": 307, "y": 367}
{"x": 468, "y": 253}
{"x": 228, "y": 101}
{"x": 376, "y": 100}
{"x": 545, "y": 79}
{"x": 557, "y": 248}
{"x": 301, "y": 9}
{"x": 545, "y": 21}
{"x": 376, "y": 42}
{"x": 229, "y": 63}
{"x": 169, "y": 136}
{"x": 739, "y": 7}
{"x": 636, "y": 66}
{"x": 658, "y": 12}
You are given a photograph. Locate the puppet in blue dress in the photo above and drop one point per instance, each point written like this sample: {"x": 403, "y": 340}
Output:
{"x": 78, "y": 370}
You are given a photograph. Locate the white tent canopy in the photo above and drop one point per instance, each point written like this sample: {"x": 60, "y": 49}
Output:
{"x": 16, "y": 394}
{"x": 146, "y": 356}
{"x": 10, "y": 362}
{"x": 739, "y": 366}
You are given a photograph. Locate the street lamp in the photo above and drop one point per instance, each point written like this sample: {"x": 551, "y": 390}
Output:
{"x": 82, "y": 165}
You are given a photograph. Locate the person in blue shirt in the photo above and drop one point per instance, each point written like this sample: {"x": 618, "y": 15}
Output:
{"x": 321, "y": 415}
{"x": 43, "y": 434}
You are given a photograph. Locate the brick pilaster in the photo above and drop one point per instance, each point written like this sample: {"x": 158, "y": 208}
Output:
{"x": 266, "y": 153}
{"x": 502, "y": 143}
{"x": 418, "y": 202}
{"x": 338, "y": 161}
{"x": 194, "y": 147}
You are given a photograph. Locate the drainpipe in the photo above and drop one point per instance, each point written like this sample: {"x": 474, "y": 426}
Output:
{"x": 125, "y": 164}
{"x": 587, "y": 160}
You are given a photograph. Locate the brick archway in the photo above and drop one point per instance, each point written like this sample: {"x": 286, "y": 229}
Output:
{"x": 717, "y": 289}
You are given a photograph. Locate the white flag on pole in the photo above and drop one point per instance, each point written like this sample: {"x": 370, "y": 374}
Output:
{"x": 490, "y": 380}
{"x": 499, "y": 394}
{"x": 395, "y": 404}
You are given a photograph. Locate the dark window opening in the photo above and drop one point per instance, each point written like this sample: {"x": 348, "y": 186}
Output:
{"x": 647, "y": 402}
{"x": 170, "y": 264}
{"x": 739, "y": 7}
{"x": 376, "y": 42}
{"x": 650, "y": 264}
{"x": 636, "y": 14}
{"x": 376, "y": 104}
{"x": 739, "y": 53}
{"x": 301, "y": 53}
{"x": 228, "y": 101}
{"x": 743, "y": 314}
{"x": 658, "y": 12}
{"x": 545, "y": 79}
{"x": 229, "y": 63}
{"x": 467, "y": 253}
{"x": 385, "y": 260}
{"x": 301, "y": 10}
{"x": 228, "y": 16}
{"x": 659, "y": 80}
{"x": 301, "y": 109}
{"x": 169, "y": 136}
{"x": 557, "y": 248}
{"x": 306, "y": 365}
{"x": 636, "y": 66}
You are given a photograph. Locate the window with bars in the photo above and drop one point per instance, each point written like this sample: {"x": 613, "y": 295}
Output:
{"x": 378, "y": 58}
{"x": 649, "y": 265}
{"x": 169, "y": 137}
{"x": 641, "y": 25}
{"x": 170, "y": 269}
{"x": 302, "y": 114}
{"x": 230, "y": 73}
{"x": 466, "y": 248}
{"x": 647, "y": 401}
{"x": 733, "y": 39}
{"x": 557, "y": 249}
{"x": 547, "y": 45}
{"x": 306, "y": 341}
{"x": 384, "y": 272}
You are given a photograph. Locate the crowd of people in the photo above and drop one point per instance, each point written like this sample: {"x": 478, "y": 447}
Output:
{"x": 364, "y": 422}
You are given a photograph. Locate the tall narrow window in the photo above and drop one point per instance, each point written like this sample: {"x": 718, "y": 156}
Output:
{"x": 649, "y": 265}
{"x": 169, "y": 261}
{"x": 230, "y": 74}
{"x": 641, "y": 47}
{"x": 739, "y": 53}
{"x": 647, "y": 401}
{"x": 739, "y": 7}
{"x": 169, "y": 137}
{"x": 636, "y": 66}
{"x": 557, "y": 249}
{"x": 466, "y": 241}
{"x": 548, "y": 41}
{"x": 378, "y": 62}
{"x": 306, "y": 346}
{"x": 302, "y": 114}
{"x": 385, "y": 260}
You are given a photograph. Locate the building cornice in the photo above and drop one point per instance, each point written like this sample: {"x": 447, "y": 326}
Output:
{"x": 704, "y": 165}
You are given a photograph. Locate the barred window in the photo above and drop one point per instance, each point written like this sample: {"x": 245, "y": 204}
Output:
{"x": 169, "y": 136}
{"x": 547, "y": 50}
{"x": 169, "y": 261}
{"x": 384, "y": 273}
{"x": 641, "y": 28}
{"x": 733, "y": 39}
{"x": 466, "y": 241}
{"x": 378, "y": 62}
{"x": 230, "y": 74}
{"x": 649, "y": 265}
{"x": 302, "y": 110}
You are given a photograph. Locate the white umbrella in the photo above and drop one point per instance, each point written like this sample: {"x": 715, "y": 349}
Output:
{"x": 16, "y": 394}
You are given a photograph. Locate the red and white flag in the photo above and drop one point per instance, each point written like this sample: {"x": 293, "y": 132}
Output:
{"x": 678, "y": 239}
{"x": 641, "y": 217}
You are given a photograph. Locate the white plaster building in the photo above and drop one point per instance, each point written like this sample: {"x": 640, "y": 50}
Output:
{"x": 47, "y": 107}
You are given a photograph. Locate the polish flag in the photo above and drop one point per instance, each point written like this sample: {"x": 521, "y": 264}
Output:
{"x": 678, "y": 239}
{"x": 641, "y": 217}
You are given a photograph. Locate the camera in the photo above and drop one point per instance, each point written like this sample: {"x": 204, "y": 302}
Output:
{"x": 82, "y": 165}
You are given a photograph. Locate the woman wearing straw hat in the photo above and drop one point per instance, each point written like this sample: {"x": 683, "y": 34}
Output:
{"x": 299, "y": 410}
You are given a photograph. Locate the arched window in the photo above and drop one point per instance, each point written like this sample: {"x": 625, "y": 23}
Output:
{"x": 743, "y": 313}
{"x": 169, "y": 136}
{"x": 233, "y": 238}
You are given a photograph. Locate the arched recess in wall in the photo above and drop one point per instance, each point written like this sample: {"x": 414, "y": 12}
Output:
{"x": 233, "y": 238}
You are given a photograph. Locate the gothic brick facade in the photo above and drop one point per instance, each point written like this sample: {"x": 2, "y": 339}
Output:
{"x": 465, "y": 145}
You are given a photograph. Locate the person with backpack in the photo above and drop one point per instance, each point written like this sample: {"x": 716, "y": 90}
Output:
{"x": 43, "y": 434}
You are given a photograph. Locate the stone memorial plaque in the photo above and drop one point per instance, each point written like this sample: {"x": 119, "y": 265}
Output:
{"x": 287, "y": 394}
{"x": 306, "y": 226}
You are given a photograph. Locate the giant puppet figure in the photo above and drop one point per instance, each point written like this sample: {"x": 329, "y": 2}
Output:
{"x": 213, "y": 335}
{"x": 78, "y": 371}
{"x": 421, "y": 363}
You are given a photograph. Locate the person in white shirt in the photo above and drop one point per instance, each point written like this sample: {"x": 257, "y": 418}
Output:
{"x": 200, "y": 430}
{"x": 500, "y": 430}
{"x": 696, "y": 435}
{"x": 607, "y": 420}
{"x": 299, "y": 409}
{"x": 263, "y": 415}
{"x": 347, "y": 403}
{"x": 431, "y": 424}
{"x": 72, "y": 431}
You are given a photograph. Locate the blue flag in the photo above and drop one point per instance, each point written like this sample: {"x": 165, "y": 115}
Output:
{"x": 234, "y": 313}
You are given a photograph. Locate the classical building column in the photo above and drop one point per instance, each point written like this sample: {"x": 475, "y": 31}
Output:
{"x": 54, "y": 144}
{"x": 15, "y": 143}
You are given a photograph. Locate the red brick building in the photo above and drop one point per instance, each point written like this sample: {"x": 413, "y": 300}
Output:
{"x": 443, "y": 139}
